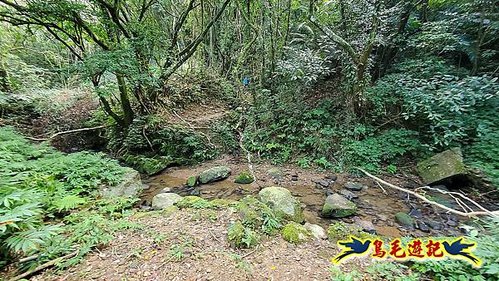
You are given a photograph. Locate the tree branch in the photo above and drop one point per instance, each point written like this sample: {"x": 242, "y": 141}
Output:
{"x": 450, "y": 210}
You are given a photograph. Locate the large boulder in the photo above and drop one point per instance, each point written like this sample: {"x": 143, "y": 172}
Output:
{"x": 282, "y": 202}
{"x": 164, "y": 200}
{"x": 337, "y": 206}
{"x": 214, "y": 174}
{"x": 441, "y": 166}
{"x": 130, "y": 186}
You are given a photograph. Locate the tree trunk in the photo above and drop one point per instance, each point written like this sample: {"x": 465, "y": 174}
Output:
{"x": 128, "y": 113}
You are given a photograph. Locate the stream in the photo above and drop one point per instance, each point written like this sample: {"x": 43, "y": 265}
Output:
{"x": 375, "y": 207}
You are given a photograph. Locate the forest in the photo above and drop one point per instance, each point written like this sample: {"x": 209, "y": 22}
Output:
{"x": 248, "y": 140}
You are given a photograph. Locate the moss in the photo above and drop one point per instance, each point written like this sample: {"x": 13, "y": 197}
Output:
{"x": 295, "y": 233}
{"x": 195, "y": 202}
{"x": 341, "y": 231}
{"x": 241, "y": 236}
{"x": 404, "y": 219}
{"x": 258, "y": 215}
{"x": 168, "y": 211}
{"x": 192, "y": 181}
{"x": 244, "y": 177}
{"x": 223, "y": 203}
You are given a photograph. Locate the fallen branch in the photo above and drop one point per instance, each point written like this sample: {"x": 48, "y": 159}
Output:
{"x": 45, "y": 265}
{"x": 450, "y": 210}
{"x": 67, "y": 132}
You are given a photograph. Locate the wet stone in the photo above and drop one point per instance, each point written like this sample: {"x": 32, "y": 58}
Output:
{"x": 422, "y": 226}
{"x": 323, "y": 183}
{"x": 353, "y": 186}
{"x": 415, "y": 213}
{"x": 348, "y": 194}
{"x": 434, "y": 224}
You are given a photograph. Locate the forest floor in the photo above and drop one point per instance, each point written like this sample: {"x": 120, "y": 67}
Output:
{"x": 193, "y": 245}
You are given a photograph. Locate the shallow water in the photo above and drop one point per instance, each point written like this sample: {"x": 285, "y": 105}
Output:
{"x": 374, "y": 205}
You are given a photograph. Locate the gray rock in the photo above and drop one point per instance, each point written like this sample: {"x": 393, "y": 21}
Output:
{"x": 434, "y": 224}
{"x": 322, "y": 183}
{"x": 366, "y": 226}
{"x": 166, "y": 190}
{"x": 404, "y": 219}
{"x": 353, "y": 186}
{"x": 275, "y": 173}
{"x": 130, "y": 186}
{"x": 214, "y": 174}
{"x": 348, "y": 194}
{"x": 294, "y": 177}
{"x": 441, "y": 166}
{"x": 282, "y": 202}
{"x": 331, "y": 177}
{"x": 421, "y": 226}
{"x": 337, "y": 206}
{"x": 316, "y": 230}
{"x": 415, "y": 213}
{"x": 165, "y": 200}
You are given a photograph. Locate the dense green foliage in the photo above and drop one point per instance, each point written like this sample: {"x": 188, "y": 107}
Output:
{"x": 331, "y": 84}
{"x": 41, "y": 188}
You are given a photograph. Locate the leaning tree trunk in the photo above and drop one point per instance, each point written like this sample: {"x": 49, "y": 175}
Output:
{"x": 4, "y": 79}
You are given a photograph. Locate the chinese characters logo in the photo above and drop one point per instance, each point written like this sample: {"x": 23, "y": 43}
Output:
{"x": 416, "y": 249}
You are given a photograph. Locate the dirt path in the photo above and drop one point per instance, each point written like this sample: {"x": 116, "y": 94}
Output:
{"x": 199, "y": 236}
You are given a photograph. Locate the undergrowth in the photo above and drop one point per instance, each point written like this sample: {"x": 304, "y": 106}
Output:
{"x": 42, "y": 191}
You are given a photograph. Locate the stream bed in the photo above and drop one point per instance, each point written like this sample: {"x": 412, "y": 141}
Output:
{"x": 375, "y": 206}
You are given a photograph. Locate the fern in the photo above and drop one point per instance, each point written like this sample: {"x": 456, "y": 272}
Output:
{"x": 68, "y": 202}
{"x": 30, "y": 240}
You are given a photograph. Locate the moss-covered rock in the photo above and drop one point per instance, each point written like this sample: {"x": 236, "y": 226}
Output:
{"x": 282, "y": 202}
{"x": 441, "y": 166}
{"x": 244, "y": 177}
{"x": 192, "y": 181}
{"x": 404, "y": 219}
{"x": 295, "y": 233}
{"x": 241, "y": 236}
{"x": 214, "y": 174}
{"x": 337, "y": 206}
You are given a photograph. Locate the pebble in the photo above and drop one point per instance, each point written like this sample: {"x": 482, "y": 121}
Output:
{"x": 294, "y": 177}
